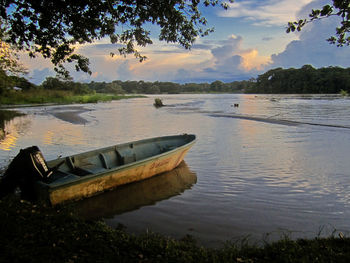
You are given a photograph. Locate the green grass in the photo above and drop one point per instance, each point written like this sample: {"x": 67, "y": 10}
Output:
{"x": 56, "y": 97}
{"x": 34, "y": 233}
{"x": 6, "y": 115}
{"x": 344, "y": 93}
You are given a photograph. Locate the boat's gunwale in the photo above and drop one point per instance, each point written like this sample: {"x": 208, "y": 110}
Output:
{"x": 107, "y": 172}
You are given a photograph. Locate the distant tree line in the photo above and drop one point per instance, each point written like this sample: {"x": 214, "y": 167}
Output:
{"x": 304, "y": 80}
{"x": 143, "y": 87}
{"x": 278, "y": 81}
{"x": 123, "y": 87}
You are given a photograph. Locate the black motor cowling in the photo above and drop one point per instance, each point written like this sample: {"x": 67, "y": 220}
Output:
{"x": 25, "y": 169}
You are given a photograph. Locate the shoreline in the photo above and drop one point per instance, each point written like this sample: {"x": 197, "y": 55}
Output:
{"x": 109, "y": 97}
{"x": 36, "y": 100}
{"x": 32, "y": 232}
{"x": 70, "y": 114}
{"x": 73, "y": 115}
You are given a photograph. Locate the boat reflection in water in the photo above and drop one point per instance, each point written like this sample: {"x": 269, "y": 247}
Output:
{"x": 135, "y": 195}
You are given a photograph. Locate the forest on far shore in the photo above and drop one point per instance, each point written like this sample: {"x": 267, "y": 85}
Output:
{"x": 306, "y": 80}
{"x": 328, "y": 80}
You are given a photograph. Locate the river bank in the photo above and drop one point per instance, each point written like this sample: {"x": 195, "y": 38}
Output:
{"x": 51, "y": 97}
{"x": 70, "y": 114}
{"x": 35, "y": 233}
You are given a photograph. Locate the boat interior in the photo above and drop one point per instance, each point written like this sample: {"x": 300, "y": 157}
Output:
{"x": 102, "y": 160}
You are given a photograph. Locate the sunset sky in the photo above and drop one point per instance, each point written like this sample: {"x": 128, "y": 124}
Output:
{"x": 249, "y": 39}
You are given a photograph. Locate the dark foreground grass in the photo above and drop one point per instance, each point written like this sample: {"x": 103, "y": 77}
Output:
{"x": 55, "y": 96}
{"x": 34, "y": 233}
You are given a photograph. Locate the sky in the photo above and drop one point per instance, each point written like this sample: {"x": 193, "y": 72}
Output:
{"x": 250, "y": 38}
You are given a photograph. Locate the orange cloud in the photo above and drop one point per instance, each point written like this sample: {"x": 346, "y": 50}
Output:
{"x": 168, "y": 63}
{"x": 252, "y": 60}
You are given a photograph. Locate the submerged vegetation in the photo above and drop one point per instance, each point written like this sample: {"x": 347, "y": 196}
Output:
{"x": 344, "y": 93}
{"x": 158, "y": 103}
{"x": 35, "y": 233}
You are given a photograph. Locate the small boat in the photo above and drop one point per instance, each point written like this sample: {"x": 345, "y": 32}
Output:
{"x": 86, "y": 174}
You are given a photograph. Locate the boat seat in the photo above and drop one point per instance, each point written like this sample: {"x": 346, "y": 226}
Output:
{"x": 120, "y": 159}
{"x": 75, "y": 169}
{"x": 104, "y": 161}
{"x": 70, "y": 162}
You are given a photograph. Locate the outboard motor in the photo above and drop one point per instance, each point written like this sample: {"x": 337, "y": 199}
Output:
{"x": 25, "y": 169}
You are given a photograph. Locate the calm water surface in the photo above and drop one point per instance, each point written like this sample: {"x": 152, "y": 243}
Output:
{"x": 275, "y": 165}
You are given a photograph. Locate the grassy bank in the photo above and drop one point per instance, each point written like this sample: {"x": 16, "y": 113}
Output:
{"x": 33, "y": 233}
{"x": 55, "y": 96}
{"x": 6, "y": 115}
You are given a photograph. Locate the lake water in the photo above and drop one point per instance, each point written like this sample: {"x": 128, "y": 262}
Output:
{"x": 275, "y": 165}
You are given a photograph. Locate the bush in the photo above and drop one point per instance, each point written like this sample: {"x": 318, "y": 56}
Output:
{"x": 158, "y": 103}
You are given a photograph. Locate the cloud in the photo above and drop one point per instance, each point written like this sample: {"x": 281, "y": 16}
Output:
{"x": 231, "y": 57}
{"x": 123, "y": 71}
{"x": 204, "y": 46}
{"x": 37, "y": 76}
{"x": 270, "y": 12}
{"x": 227, "y": 58}
{"x": 230, "y": 46}
{"x": 105, "y": 68}
{"x": 208, "y": 60}
{"x": 228, "y": 61}
{"x": 162, "y": 63}
{"x": 312, "y": 47}
{"x": 253, "y": 61}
